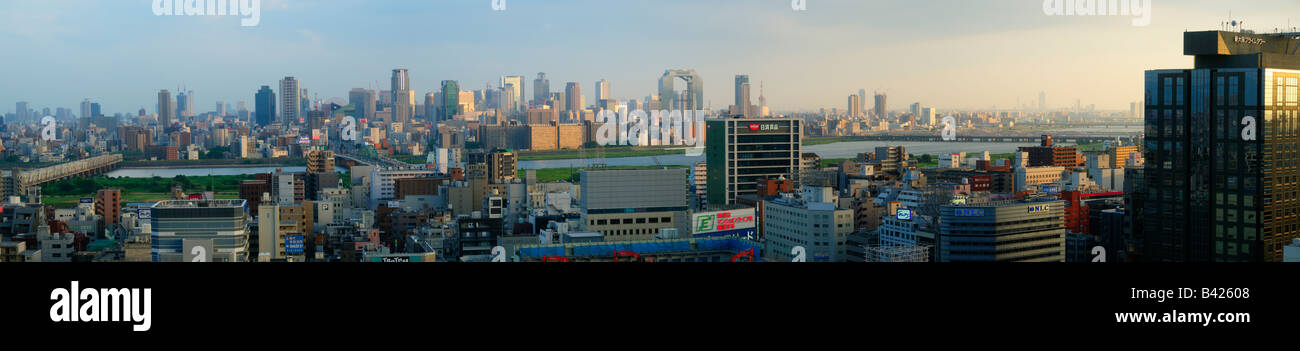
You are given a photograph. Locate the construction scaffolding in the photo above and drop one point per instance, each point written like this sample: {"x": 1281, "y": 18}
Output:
{"x": 898, "y": 253}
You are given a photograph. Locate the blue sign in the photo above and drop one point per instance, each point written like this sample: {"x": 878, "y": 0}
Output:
{"x": 87, "y": 200}
{"x": 1052, "y": 189}
{"x": 968, "y": 212}
{"x": 748, "y": 233}
{"x": 1039, "y": 208}
{"x": 293, "y": 244}
{"x": 904, "y": 214}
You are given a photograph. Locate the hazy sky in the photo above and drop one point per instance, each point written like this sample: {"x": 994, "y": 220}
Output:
{"x": 943, "y": 53}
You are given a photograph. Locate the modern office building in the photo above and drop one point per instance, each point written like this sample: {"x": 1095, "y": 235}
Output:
{"x": 573, "y": 97}
{"x": 450, "y": 104}
{"x": 634, "y": 204}
{"x": 363, "y": 100}
{"x": 166, "y": 109}
{"x": 541, "y": 89}
{"x": 880, "y": 109}
{"x": 1220, "y": 150}
{"x": 602, "y": 91}
{"x": 741, "y": 152}
{"x": 855, "y": 106}
{"x": 810, "y": 220}
{"x": 514, "y": 86}
{"x": 1006, "y": 231}
{"x": 690, "y": 99}
{"x": 403, "y": 97}
{"x": 742, "y": 96}
{"x": 264, "y": 103}
{"x": 219, "y": 226}
{"x": 290, "y": 101}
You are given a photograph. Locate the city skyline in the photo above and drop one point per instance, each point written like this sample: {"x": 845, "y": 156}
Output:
{"x": 121, "y": 55}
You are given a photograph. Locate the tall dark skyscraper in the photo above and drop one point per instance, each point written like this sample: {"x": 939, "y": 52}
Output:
{"x": 450, "y": 100}
{"x": 166, "y": 109}
{"x": 741, "y": 79}
{"x": 573, "y": 92}
{"x": 880, "y": 110}
{"x": 1222, "y": 151}
{"x": 541, "y": 89}
{"x": 364, "y": 102}
{"x": 265, "y": 105}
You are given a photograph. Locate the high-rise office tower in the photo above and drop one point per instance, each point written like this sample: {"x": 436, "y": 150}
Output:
{"x": 688, "y": 100}
{"x": 741, "y": 95}
{"x": 573, "y": 95}
{"x": 1042, "y": 101}
{"x": 182, "y": 104}
{"x": 401, "y": 79}
{"x": 221, "y": 109}
{"x": 264, "y": 102}
{"x": 363, "y": 100}
{"x": 85, "y": 108}
{"x": 559, "y": 101}
{"x": 166, "y": 109}
{"x": 517, "y": 83}
{"x": 432, "y": 106}
{"x": 20, "y": 111}
{"x": 855, "y": 106}
{"x": 290, "y": 100}
{"x": 95, "y": 110}
{"x": 1220, "y": 151}
{"x": 509, "y": 99}
{"x": 741, "y": 152}
{"x": 880, "y": 106}
{"x": 862, "y": 96}
{"x": 602, "y": 90}
{"x": 450, "y": 100}
{"x": 541, "y": 89}
{"x": 403, "y": 97}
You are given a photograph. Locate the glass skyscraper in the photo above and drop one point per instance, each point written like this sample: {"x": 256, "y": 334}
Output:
{"x": 1221, "y": 151}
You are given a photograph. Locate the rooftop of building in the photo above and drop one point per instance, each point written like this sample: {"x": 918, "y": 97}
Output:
{"x": 200, "y": 203}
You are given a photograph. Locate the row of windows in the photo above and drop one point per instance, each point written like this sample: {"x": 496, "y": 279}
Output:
{"x": 650, "y": 220}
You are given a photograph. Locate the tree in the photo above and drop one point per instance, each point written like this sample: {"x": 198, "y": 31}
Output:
{"x": 927, "y": 158}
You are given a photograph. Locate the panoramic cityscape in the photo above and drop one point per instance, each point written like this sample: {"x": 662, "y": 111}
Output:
{"x": 412, "y": 170}
{"x": 1194, "y": 167}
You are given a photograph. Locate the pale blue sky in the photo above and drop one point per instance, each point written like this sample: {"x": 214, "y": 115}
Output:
{"x": 944, "y": 53}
